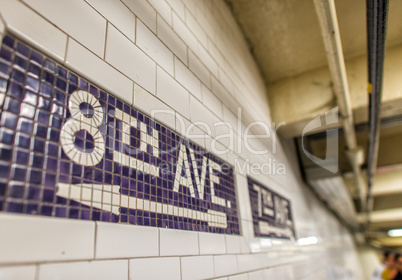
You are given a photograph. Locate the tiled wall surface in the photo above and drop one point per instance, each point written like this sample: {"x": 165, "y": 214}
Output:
{"x": 188, "y": 60}
{"x": 71, "y": 150}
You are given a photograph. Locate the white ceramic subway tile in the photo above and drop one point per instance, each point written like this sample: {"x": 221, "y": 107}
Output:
{"x": 182, "y": 30}
{"x": 190, "y": 130}
{"x": 212, "y": 244}
{"x": 190, "y": 4}
{"x": 33, "y": 28}
{"x": 178, "y": 242}
{"x": 149, "y": 104}
{"x": 270, "y": 273}
{"x": 215, "y": 147}
{"x": 233, "y": 117}
{"x": 151, "y": 45}
{"x": 117, "y": 14}
{"x": 199, "y": 69}
{"x": 199, "y": 267}
{"x": 195, "y": 27}
{"x": 18, "y": 272}
{"x": 211, "y": 101}
{"x": 248, "y": 235}
{"x": 259, "y": 261}
{"x": 225, "y": 141}
{"x": 184, "y": 76}
{"x": 225, "y": 134}
{"x": 206, "y": 19}
{"x": 172, "y": 40}
{"x": 224, "y": 95}
{"x": 2, "y": 27}
{"x": 205, "y": 119}
{"x": 303, "y": 269}
{"x": 243, "y": 276}
{"x": 162, "y": 7}
{"x": 256, "y": 275}
{"x": 226, "y": 82}
{"x": 245, "y": 262}
{"x": 178, "y": 7}
{"x": 130, "y": 60}
{"x": 244, "y": 198}
{"x": 125, "y": 241}
{"x": 233, "y": 159}
{"x": 285, "y": 272}
{"x": 144, "y": 11}
{"x": 208, "y": 60}
{"x": 174, "y": 94}
{"x": 225, "y": 265}
{"x": 99, "y": 72}
{"x": 232, "y": 244}
{"x": 272, "y": 256}
{"x": 71, "y": 16}
{"x": 35, "y": 239}
{"x": 89, "y": 270}
{"x": 155, "y": 268}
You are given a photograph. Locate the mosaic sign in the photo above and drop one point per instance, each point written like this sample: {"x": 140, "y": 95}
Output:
{"x": 69, "y": 149}
{"x": 272, "y": 216}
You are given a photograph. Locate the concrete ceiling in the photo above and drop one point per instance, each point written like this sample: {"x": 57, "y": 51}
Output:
{"x": 285, "y": 38}
{"x": 284, "y": 35}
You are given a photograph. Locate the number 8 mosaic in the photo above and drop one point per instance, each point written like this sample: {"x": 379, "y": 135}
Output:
{"x": 69, "y": 149}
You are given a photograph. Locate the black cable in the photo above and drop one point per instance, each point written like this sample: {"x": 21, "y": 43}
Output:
{"x": 377, "y": 11}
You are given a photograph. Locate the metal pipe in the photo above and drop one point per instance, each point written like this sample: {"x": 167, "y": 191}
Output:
{"x": 330, "y": 31}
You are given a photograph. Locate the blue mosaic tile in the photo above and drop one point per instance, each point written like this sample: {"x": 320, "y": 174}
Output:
{"x": 20, "y": 62}
{"x": 9, "y": 41}
{"x": 22, "y": 49}
{"x": 4, "y": 70}
{"x": 18, "y": 76}
{"x": 49, "y": 65}
{"x": 272, "y": 214}
{"x": 47, "y": 77}
{"x": 36, "y": 58}
{"x": 25, "y": 126}
{"x": 61, "y": 135}
{"x": 6, "y": 54}
{"x": 46, "y": 90}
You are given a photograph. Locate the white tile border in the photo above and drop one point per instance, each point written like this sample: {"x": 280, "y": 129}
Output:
{"x": 37, "y": 31}
{"x": 125, "y": 241}
{"x": 30, "y": 238}
{"x": 178, "y": 242}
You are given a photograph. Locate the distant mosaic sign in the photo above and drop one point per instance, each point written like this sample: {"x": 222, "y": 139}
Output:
{"x": 69, "y": 149}
{"x": 272, "y": 216}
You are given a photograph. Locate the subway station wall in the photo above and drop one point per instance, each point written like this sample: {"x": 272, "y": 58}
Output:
{"x": 123, "y": 152}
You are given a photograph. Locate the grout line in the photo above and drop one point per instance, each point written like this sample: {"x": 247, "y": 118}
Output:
{"x": 133, "y": 101}
{"x": 213, "y": 265}
{"x": 136, "y": 31}
{"x": 180, "y": 266}
{"x": 198, "y": 241}
{"x": 174, "y": 70}
{"x": 37, "y": 267}
{"x": 95, "y": 238}
{"x": 156, "y": 28}
{"x": 107, "y": 21}
{"x": 65, "y": 54}
{"x": 159, "y": 242}
{"x": 104, "y": 47}
{"x": 128, "y": 269}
